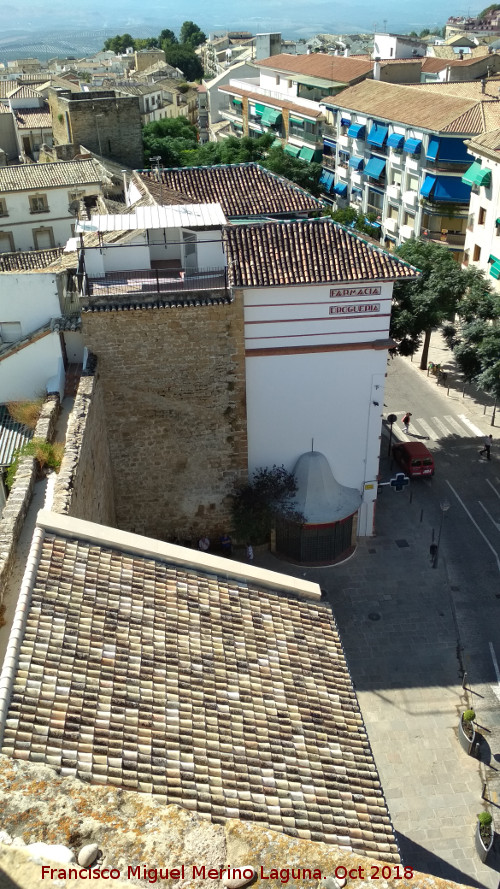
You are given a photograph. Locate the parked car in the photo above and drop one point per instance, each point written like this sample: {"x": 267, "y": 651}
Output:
{"x": 414, "y": 458}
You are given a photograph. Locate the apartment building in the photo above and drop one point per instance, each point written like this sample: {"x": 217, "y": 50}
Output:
{"x": 399, "y": 152}
{"x": 482, "y": 238}
{"x": 284, "y": 95}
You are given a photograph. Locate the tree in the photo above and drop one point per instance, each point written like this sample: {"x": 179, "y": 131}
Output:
{"x": 256, "y": 506}
{"x": 169, "y": 139}
{"x": 192, "y": 35}
{"x": 357, "y": 221}
{"x": 146, "y": 43}
{"x": 424, "y": 304}
{"x": 185, "y": 58}
{"x": 298, "y": 171}
{"x": 167, "y": 36}
{"x": 119, "y": 44}
{"x": 475, "y": 339}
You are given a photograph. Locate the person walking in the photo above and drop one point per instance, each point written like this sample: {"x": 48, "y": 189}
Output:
{"x": 249, "y": 552}
{"x": 487, "y": 447}
{"x": 226, "y": 545}
{"x": 406, "y": 421}
{"x": 204, "y": 544}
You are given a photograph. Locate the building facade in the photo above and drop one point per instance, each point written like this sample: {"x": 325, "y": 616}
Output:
{"x": 482, "y": 239}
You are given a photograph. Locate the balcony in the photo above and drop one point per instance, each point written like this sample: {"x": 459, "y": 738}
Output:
{"x": 328, "y": 161}
{"x": 453, "y": 239}
{"x": 133, "y": 282}
{"x": 303, "y": 136}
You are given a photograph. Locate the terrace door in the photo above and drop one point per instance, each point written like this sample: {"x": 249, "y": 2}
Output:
{"x": 190, "y": 258}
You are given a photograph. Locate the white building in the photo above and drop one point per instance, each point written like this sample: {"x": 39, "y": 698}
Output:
{"x": 397, "y": 46}
{"x": 39, "y": 202}
{"x": 39, "y": 328}
{"x": 317, "y": 303}
{"x": 482, "y": 239}
{"x": 398, "y": 152}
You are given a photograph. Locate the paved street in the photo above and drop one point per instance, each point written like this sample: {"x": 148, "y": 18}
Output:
{"x": 411, "y": 630}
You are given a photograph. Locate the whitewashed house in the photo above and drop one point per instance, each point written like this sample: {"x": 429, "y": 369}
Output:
{"x": 482, "y": 239}
{"x": 39, "y": 202}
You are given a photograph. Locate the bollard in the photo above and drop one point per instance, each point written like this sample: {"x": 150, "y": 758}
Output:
{"x": 464, "y": 681}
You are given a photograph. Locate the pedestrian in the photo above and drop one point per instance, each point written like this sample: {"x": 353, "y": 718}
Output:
{"x": 226, "y": 544}
{"x": 204, "y": 544}
{"x": 487, "y": 446}
{"x": 433, "y": 552}
{"x": 406, "y": 421}
{"x": 249, "y": 552}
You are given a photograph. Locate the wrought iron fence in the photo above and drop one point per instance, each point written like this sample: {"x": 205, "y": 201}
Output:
{"x": 154, "y": 281}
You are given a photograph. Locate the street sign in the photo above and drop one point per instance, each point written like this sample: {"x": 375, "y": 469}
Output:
{"x": 400, "y": 481}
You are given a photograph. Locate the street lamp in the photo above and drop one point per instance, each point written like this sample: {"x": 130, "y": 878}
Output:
{"x": 390, "y": 419}
{"x": 444, "y": 507}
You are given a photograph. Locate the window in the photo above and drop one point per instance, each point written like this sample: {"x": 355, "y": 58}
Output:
{"x": 38, "y": 203}
{"x": 289, "y": 84}
{"x": 278, "y": 79}
{"x": 375, "y": 199}
{"x": 344, "y": 158}
{"x": 392, "y": 212}
{"x": 3, "y": 208}
{"x": 6, "y": 242}
{"x": 43, "y": 238}
{"x": 10, "y": 331}
{"x": 482, "y": 216}
{"x": 409, "y": 220}
{"x": 412, "y": 183}
{"x": 476, "y": 254}
{"x": 396, "y": 177}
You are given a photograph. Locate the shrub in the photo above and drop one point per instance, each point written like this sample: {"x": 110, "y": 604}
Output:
{"x": 26, "y": 412}
{"x": 255, "y": 507}
{"x": 485, "y": 819}
{"x": 469, "y": 715}
{"x": 46, "y": 454}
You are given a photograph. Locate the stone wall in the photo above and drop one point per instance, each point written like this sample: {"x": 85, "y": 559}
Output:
{"x": 173, "y": 382}
{"x": 133, "y": 830}
{"x": 84, "y": 485}
{"x": 14, "y": 512}
{"x": 106, "y": 124}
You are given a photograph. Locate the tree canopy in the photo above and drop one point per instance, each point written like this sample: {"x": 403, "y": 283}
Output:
{"x": 443, "y": 290}
{"x": 475, "y": 340}
{"x": 183, "y": 56}
{"x": 168, "y": 139}
{"x": 192, "y": 35}
{"x": 255, "y": 506}
{"x": 179, "y": 53}
{"x": 357, "y": 221}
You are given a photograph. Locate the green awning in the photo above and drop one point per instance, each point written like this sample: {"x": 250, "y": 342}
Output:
{"x": 298, "y": 120}
{"x": 484, "y": 177}
{"x": 237, "y": 100}
{"x": 270, "y": 116}
{"x": 293, "y": 150}
{"x": 306, "y": 154}
{"x": 259, "y": 109}
{"x": 495, "y": 270}
{"x": 277, "y": 144}
{"x": 469, "y": 178}
{"x": 237, "y": 126}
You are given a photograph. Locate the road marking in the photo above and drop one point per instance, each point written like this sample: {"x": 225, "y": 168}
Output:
{"x": 428, "y": 429}
{"x": 495, "y": 662}
{"x": 454, "y": 425}
{"x": 483, "y": 535}
{"x": 493, "y": 488}
{"x": 468, "y": 423}
{"x": 442, "y": 428}
{"x": 497, "y": 525}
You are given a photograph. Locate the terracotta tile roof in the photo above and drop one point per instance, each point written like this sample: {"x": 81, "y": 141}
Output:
{"x": 31, "y": 260}
{"x": 337, "y": 69}
{"x": 197, "y": 682}
{"x": 447, "y": 52}
{"x": 23, "y": 92}
{"x": 241, "y": 189}
{"x": 308, "y": 252}
{"x": 411, "y": 105}
{"x": 25, "y": 177}
{"x": 489, "y": 141}
{"x": 4, "y": 109}
{"x": 31, "y": 118}
{"x": 467, "y": 89}
{"x": 273, "y": 102}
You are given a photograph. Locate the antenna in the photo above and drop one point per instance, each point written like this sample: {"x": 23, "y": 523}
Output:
{"x": 312, "y": 445}
{"x": 384, "y": 24}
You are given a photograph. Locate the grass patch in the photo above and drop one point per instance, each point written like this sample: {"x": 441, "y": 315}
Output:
{"x": 26, "y": 412}
{"x": 47, "y": 455}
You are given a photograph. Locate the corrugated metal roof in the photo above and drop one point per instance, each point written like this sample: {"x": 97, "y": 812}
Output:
{"x": 13, "y": 435}
{"x": 173, "y": 216}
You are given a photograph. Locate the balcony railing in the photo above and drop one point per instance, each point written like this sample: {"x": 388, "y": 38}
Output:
{"x": 299, "y": 133}
{"x": 454, "y": 240}
{"x": 153, "y": 281}
{"x": 328, "y": 161}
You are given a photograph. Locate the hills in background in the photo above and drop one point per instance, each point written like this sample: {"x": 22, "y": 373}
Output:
{"x": 28, "y": 33}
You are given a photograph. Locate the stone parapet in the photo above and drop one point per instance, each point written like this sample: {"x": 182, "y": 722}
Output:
{"x": 14, "y": 512}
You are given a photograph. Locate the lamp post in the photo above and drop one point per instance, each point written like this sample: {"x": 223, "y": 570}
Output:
{"x": 390, "y": 419}
{"x": 444, "y": 507}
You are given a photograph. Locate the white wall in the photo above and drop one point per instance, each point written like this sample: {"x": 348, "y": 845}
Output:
{"x": 268, "y": 82}
{"x": 21, "y": 222}
{"x": 487, "y": 235}
{"x": 30, "y": 298}
{"x": 25, "y": 374}
{"x": 73, "y": 341}
{"x": 325, "y": 396}
{"x": 209, "y": 250}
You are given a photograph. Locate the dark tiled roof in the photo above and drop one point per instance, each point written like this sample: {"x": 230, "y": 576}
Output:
{"x": 127, "y": 303}
{"x": 241, "y": 189}
{"x": 222, "y": 694}
{"x": 309, "y": 252}
{"x": 29, "y": 261}
{"x": 32, "y": 118}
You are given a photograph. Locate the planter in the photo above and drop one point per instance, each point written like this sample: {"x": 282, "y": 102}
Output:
{"x": 483, "y": 848}
{"x": 466, "y": 743}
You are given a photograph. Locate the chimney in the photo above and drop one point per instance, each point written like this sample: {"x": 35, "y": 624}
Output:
{"x": 376, "y": 69}
{"x": 347, "y": 52}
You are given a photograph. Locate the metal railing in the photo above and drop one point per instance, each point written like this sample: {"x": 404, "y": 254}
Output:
{"x": 457, "y": 240}
{"x": 147, "y": 281}
{"x": 304, "y": 136}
